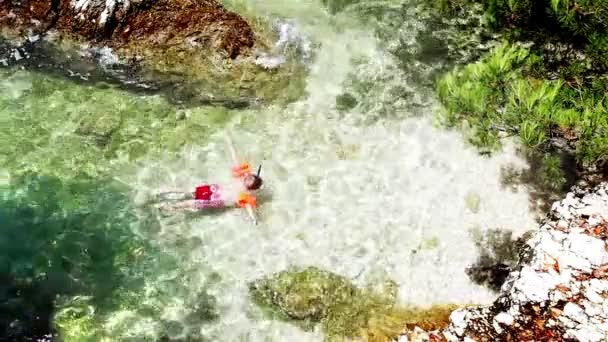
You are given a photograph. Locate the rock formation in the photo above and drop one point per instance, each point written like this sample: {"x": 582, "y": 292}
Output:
{"x": 120, "y": 23}
{"x": 193, "y": 51}
{"x": 559, "y": 291}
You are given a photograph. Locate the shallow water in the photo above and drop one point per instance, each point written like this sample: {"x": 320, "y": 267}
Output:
{"x": 373, "y": 192}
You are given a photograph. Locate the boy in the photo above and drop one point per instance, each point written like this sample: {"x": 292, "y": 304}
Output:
{"x": 212, "y": 196}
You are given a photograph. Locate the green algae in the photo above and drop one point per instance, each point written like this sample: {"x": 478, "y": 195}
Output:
{"x": 311, "y": 296}
{"x": 472, "y": 202}
{"x": 65, "y": 128}
{"x": 214, "y": 77}
{"x": 72, "y": 228}
{"x": 430, "y": 243}
{"x": 335, "y": 6}
{"x": 345, "y": 102}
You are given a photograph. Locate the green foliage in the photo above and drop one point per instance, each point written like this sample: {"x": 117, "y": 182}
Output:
{"x": 497, "y": 96}
{"x": 345, "y": 102}
{"x": 551, "y": 173}
{"x": 309, "y": 296}
{"x": 577, "y": 25}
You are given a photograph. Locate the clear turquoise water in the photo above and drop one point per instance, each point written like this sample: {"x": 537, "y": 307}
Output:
{"x": 369, "y": 192}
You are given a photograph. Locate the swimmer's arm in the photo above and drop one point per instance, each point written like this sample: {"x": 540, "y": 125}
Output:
{"x": 235, "y": 159}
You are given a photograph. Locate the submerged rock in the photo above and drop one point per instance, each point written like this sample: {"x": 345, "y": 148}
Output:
{"x": 302, "y": 295}
{"x": 195, "y": 51}
{"x": 559, "y": 290}
{"x": 308, "y": 296}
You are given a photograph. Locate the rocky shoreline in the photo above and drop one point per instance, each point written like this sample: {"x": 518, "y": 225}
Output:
{"x": 122, "y": 24}
{"x": 559, "y": 290}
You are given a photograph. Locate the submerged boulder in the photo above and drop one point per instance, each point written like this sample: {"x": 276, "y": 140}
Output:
{"x": 303, "y": 294}
{"x": 311, "y": 295}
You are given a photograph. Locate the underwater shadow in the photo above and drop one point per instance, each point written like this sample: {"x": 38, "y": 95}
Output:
{"x": 498, "y": 255}
{"x": 26, "y": 309}
{"x": 66, "y": 238}
{"x": 545, "y": 184}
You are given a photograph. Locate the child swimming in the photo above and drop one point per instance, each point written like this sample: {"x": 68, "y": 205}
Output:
{"x": 213, "y": 196}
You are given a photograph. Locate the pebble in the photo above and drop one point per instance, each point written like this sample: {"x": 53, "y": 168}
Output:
{"x": 593, "y": 296}
{"x": 586, "y": 334}
{"x": 534, "y": 286}
{"x": 575, "y": 312}
{"x": 504, "y": 318}
{"x": 403, "y": 338}
{"x": 592, "y": 310}
{"x": 589, "y": 248}
{"x": 458, "y": 321}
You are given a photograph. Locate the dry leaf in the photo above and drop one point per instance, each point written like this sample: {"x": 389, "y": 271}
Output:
{"x": 555, "y": 312}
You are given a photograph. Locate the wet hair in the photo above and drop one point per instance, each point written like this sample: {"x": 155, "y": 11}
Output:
{"x": 255, "y": 184}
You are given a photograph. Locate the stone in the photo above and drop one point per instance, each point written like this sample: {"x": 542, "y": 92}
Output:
{"x": 592, "y": 310}
{"x": 593, "y": 296}
{"x": 589, "y": 248}
{"x": 302, "y": 294}
{"x": 504, "y": 318}
{"x": 595, "y": 220}
{"x": 575, "y": 312}
{"x": 586, "y": 334}
{"x": 563, "y": 264}
{"x": 534, "y": 286}
{"x": 158, "y": 22}
{"x": 191, "y": 51}
{"x": 403, "y": 338}
{"x": 458, "y": 320}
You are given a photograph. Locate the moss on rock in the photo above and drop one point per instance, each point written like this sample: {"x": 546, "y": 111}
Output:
{"x": 309, "y": 296}
{"x": 196, "y": 52}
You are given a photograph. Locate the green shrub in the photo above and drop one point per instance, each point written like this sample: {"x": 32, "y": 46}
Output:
{"x": 498, "y": 96}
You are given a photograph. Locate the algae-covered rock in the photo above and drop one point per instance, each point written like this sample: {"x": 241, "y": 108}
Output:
{"x": 305, "y": 294}
{"x": 472, "y": 202}
{"x": 312, "y": 295}
{"x": 193, "y": 51}
{"x": 157, "y": 22}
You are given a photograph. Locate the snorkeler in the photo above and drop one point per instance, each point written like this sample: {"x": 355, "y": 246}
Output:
{"x": 212, "y": 196}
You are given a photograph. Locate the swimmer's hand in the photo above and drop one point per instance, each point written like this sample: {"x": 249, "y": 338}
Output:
{"x": 252, "y": 214}
{"x": 235, "y": 159}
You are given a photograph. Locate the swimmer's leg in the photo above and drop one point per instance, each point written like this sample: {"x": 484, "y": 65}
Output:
{"x": 173, "y": 206}
{"x": 174, "y": 196}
